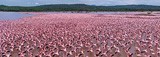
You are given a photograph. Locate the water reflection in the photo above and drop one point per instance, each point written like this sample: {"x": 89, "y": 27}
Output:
{"x": 12, "y": 15}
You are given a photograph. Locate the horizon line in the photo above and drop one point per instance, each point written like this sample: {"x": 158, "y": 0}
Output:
{"x": 78, "y": 3}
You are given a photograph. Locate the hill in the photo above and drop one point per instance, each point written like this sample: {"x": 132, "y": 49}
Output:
{"x": 80, "y": 7}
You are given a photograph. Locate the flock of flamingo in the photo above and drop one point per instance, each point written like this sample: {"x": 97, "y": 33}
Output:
{"x": 81, "y": 35}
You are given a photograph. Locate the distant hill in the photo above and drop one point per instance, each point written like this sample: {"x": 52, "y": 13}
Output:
{"x": 80, "y": 7}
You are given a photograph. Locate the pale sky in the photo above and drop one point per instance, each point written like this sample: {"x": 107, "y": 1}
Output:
{"x": 90, "y": 2}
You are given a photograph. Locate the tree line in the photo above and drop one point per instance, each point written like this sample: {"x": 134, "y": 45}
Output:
{"x": 80, "y": 7}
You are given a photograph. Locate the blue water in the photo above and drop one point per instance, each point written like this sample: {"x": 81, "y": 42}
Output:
{"x": 92, "y": 12}
{"x": 18, "y": 15}
{"x": 13, "y": 15}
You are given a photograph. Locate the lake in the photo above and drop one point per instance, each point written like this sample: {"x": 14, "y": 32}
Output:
{"x": 91, "y": 12}
{"x": 13, "y": 15}
{"x": 18, "y": 15}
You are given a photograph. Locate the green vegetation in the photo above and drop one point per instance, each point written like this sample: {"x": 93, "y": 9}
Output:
{"x": 80, "y": 7}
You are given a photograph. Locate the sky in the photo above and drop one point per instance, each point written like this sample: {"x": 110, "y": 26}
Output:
{"x": 89, "y": 2}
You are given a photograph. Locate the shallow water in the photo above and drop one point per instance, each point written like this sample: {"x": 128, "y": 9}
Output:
{"x": 13, "y": 15}
{"x": 95, "y": 12}
{"x": 18, "y": 15}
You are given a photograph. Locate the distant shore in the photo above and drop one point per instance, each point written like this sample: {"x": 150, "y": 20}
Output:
{"x": 78, "y": 8}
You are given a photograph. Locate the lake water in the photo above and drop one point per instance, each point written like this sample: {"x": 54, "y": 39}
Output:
{"x": 95, "y": 12}
{"x": 13, "y": 15}
{"x": 89, "y": 12}
{"x": 18, "y": 15}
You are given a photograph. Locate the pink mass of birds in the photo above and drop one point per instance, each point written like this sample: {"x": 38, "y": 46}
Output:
{"x": 81, "y": 35}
